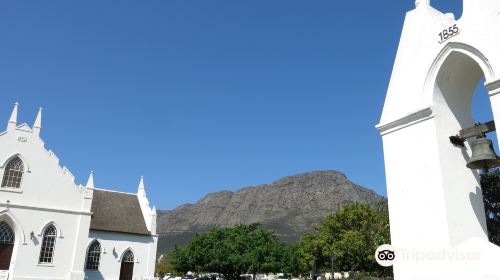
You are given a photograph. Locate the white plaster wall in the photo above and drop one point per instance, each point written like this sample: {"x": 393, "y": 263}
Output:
{"x": 419, "y": 49}
{"x": 47, "y": 195}
{"x": 144, "y": 248}
{"x": 417, "y": 196}
{"x": 45, "y": 182}
{"x": 435, "y": 202}
{"x": 25, "y": 261}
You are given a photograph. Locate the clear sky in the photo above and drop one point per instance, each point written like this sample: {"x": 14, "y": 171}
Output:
{"x": 201, "y": 96}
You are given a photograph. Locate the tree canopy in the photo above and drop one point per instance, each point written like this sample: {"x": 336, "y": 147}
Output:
{"x": 232, "y": 252}
{"x": 163, "y": 267}
{"x": 350, "y": 236}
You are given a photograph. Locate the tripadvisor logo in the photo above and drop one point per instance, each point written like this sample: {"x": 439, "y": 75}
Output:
{"x": 385, "y": 255}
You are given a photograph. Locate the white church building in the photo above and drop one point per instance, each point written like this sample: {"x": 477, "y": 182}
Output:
{"x": 52, "y": 228}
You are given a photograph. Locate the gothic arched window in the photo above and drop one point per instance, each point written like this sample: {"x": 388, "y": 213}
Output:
{"x": 128, "y": 257}
{"x": 127, "y": 266}
{"x": 13, "y": 173}
{"x": 48, "y": 244}
{"x": 7, "y": 239}
{"x": 6, "y": 234}
{"x": 94, "y": 256}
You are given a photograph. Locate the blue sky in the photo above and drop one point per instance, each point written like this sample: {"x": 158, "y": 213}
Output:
{"x": 200, "y": 96}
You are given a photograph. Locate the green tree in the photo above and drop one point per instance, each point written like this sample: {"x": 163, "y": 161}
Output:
{"x": 292, "y": 260}
{"x": 490, "y": 185}
{"x": 232, "y": 252}
{"x": 311, "y": 252}
{"x": 163, "y": 267}
{"x": 352, "y": 235}
{"x": 180, "y": 260}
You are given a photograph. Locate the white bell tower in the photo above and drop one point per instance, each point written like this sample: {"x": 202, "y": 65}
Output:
{"x": 436, "y": 209}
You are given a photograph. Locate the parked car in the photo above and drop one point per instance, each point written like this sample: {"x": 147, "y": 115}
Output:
{"x": 246, "y": 277}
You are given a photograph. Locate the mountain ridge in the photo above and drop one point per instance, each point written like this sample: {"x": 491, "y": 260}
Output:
{"x": 291, "y": 206}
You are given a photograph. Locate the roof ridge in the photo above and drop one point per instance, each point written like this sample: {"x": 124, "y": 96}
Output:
{"x": 112, "y": 191}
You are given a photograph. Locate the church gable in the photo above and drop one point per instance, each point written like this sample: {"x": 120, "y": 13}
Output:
{"x": 48, "y": 217}
{"x": 24, "y": 127}
{"x": 31, "y": 175}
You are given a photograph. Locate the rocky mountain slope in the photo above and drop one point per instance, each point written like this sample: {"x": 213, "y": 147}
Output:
{"x": 291, "y": 206}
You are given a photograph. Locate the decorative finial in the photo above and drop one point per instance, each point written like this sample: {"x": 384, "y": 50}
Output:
{"x": 424, "y": 2}
{"x": 141, "y": 190}
{"x": 90, "y": 182}
{"x": 13, "y": 118}
{"x": 38, "y": 122}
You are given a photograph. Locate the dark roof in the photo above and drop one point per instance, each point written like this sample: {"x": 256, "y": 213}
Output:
{"x": 117, "y": 212}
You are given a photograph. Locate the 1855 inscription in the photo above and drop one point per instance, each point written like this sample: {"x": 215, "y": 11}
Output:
{"x": 449, "y": 33}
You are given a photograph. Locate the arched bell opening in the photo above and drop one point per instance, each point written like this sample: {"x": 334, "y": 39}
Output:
{"x": 455, "y": 86}
{"x": 482, "y": 112}
{"x": 459, "y": 84}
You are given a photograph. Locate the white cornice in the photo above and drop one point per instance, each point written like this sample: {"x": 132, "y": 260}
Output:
{"x": 493, "y": 87}
{"x": 409, "y": 120}
{"x": 46, "y": 209}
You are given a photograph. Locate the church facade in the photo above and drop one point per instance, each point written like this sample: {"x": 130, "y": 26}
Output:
{"x": 52, "y": 228}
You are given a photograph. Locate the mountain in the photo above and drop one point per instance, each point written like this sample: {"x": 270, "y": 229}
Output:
{"x": 291, "y": 206}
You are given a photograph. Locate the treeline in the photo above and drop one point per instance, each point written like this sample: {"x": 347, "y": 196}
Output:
{"x": 344, "y": 241}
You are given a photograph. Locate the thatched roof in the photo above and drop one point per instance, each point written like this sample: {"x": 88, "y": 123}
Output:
{"x": 117, "y": 212}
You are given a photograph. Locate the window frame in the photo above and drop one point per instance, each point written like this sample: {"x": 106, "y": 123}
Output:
{"x": 47, "y": 247}
{"x": 5, "y": 170}
{"x": 96, "y": 256}
{"x": 7, "y": 234}
{"x": 126, "y": 256}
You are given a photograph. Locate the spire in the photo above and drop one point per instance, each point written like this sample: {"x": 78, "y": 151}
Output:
{"x": 144, "y": 203}
{"x": 90, "y": 182}
{"x": 424, "y": 2}
{"x": 141, "y": 191}
{"x": 13, "y": 118}
{"x": 38, "y": 122}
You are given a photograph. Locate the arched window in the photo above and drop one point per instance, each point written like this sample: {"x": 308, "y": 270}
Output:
{"x": 13, "y": 173}
{"x": 127, "y": 267}
{"x": 48, "y": 244}
{"x": 6, "y": 245}
{"x": 94, "y": 256}
{"x": 128, "y": 257}
{"x": 6, "y": 234}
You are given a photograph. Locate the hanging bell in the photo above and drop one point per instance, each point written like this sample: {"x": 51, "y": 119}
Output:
{"x": 483, "y": 155}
